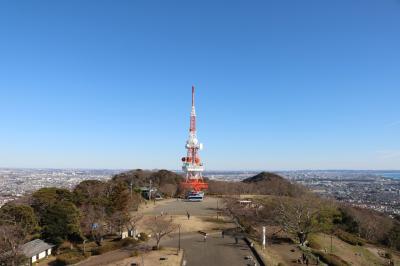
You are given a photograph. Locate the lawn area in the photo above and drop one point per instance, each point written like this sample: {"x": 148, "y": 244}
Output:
{"x": 286, "y": 253}
{"x": 356, "y": 255}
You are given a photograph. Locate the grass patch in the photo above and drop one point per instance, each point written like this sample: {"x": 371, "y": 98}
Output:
{"x": 105, "y": 248}
{"x": 135, "y": 253}
{"x": 350, "y": 238}
{"x": 113, "y": 245}
{"x": 70, "y": 257}
{"x": 313, "y": 243}
{"x": 330, "y": 259}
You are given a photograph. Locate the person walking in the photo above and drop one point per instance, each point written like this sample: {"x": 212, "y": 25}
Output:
{"x": 223, "y": 233}
{"x": 188, "y": 215}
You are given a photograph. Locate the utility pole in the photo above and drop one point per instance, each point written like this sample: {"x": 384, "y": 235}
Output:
{"x": 150, "y": 191}
{"x": 217, "y": 210}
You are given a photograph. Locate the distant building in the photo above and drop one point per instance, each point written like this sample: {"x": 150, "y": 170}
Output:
{"x": 148, "y": 193}
{"x": 36, "y": 250}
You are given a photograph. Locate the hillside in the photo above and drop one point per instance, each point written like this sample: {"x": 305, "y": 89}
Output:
{"x": 267, "y": 183}
{"x": 264, "y": 183}
{"x": 264, "y": 176}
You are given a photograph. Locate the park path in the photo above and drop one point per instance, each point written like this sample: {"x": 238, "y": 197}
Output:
{"x": 215, "y": 251}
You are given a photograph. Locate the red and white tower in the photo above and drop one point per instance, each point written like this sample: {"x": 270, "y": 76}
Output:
{"x": 192, "y": 165}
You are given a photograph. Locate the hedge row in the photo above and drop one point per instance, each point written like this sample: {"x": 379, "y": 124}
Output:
{"x": 330, "y": 259}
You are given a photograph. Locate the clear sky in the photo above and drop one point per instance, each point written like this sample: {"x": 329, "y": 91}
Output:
{"x": 281, "y": 84}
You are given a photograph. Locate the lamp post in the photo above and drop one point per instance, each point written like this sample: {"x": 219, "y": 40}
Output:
{"x": 84, "y": 243}
{"x": 263, "y": 237}
{"x": 131, "y": 185}
{"x": 150, "y": 191}
{"x": 179, "y": 238}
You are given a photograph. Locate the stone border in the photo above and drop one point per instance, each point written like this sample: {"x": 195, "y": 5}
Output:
{"x": 258, "y": 257}
{"x": 183, "y": 258}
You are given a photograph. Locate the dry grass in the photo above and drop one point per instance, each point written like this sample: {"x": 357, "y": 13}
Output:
{"x": 279, "y": 254}
{"x": 153, "y": 258}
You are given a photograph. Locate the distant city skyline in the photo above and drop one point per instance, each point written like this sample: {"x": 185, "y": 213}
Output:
{"x": 281, "y": 85}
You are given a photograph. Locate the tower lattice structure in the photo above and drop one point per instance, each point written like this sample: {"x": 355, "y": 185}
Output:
{"x": 192, "y": 165}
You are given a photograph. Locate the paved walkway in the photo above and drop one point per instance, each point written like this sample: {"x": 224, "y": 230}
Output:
{"x": 216, "y": 250}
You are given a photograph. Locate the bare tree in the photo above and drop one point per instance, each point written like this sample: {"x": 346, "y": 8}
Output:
{"x": 93, "y": 222}
{"x": 11, "y": 237}
{"x": 161, "y": 227}
{"x": 118, "y": 220}
{"x": 133, "y": 221}
{"x": 298, "y": 216}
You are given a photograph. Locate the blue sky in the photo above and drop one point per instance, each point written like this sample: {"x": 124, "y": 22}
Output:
{"x": 280, "y": 84}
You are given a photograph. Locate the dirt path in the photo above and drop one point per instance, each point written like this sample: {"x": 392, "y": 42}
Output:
{"x": 194, "y": 224}
{"x": 284, "y": 253}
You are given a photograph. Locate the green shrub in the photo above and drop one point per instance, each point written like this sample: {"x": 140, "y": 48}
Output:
{"x": 135, "y": 253}
{"x": 105, "y": 248}
{"x": 330, "y": 259}
{"x": 127, "y": 242}
{"x": 350, "y": 238}
{"x": 110, "y": 246}
{"x": 143, "y": 237}
{"x": 388, "y": 255}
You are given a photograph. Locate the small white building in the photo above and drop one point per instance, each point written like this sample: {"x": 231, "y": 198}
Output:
{"x": 36, "y": 250}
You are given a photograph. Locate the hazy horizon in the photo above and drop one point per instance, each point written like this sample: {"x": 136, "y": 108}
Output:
{"x": 206, "y": 170}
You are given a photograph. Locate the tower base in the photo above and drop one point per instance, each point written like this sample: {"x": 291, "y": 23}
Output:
{"x": 194, "y": 184}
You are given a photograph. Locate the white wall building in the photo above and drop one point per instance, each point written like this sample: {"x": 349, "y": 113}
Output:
{"x": 36, "y": 250}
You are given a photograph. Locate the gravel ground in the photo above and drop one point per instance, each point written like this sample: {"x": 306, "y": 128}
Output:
{"x": 179, "y": 207}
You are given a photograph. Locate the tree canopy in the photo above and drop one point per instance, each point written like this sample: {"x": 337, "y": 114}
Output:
{"x": 60, "y": 222}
